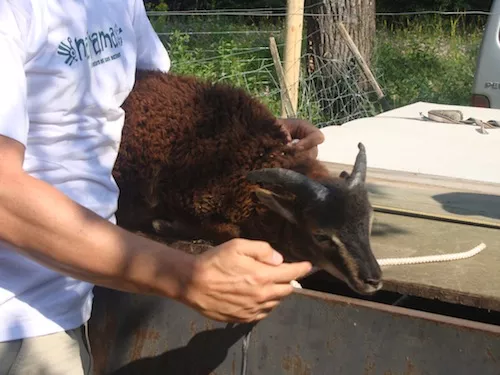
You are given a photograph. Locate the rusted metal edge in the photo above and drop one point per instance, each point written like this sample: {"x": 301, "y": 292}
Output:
{"x": 441, "y": 319}
{"x": 441, "y": 294}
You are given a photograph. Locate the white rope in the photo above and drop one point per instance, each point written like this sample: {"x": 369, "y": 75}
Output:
{"x": 432, "y": 258}
{"x": 421, "y": 259}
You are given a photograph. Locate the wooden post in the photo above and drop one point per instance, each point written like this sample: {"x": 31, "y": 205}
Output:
{"x": 293, "y": 44}
{"x": 364, "y": 66}
{"x": 285, "y": 95}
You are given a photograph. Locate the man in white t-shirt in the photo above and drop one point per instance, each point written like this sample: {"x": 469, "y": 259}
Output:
{"x": 66, "y": 68}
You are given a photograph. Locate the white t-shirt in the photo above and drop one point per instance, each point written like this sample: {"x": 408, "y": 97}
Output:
{"x": 66, "y": 67}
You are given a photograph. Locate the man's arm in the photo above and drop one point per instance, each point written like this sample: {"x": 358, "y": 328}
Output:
{"x": 47, "y": 226}
{"x": 238, "y": 281}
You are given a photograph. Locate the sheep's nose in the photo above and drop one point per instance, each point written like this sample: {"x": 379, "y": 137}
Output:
{"x": 374, "y": 284}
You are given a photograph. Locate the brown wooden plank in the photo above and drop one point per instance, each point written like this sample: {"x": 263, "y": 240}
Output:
{"x": 473, "y": 282}
{"x": 432, "y": 194}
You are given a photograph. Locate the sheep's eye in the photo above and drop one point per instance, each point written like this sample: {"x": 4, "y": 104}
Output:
{"x": 323, "y": 239}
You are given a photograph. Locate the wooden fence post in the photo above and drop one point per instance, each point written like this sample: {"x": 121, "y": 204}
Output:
{"x": 293, "y": 49}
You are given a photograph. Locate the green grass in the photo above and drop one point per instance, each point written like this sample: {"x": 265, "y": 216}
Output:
{"x": 241, "y": 58}
{"x": 428, "y": 58}
{"x": 432, "y": 59}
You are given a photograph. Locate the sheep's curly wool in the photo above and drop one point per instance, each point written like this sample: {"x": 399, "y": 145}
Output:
{"x": 186, "y": 147}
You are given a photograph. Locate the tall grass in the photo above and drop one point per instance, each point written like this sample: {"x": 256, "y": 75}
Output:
{"x": 225, "y": 49}
{"x": 429, "y": 58}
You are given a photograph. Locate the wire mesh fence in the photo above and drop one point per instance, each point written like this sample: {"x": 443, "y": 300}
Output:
{"x": 425, "y": 56}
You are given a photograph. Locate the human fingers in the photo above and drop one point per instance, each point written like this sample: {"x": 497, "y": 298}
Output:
{"x": 313, "y": 152}
{"x": 273, "y": 292}
{"x": 264, "y": 310}
{"x": 285, "y": 129}
{"x": 306, "y": 137}
{"x": 284, "y": 273}
{"x": 311, "y": 139}
{"x": 258, "y": 250}
{"x": 298, "y": 128}
{"x": 260, "y": 313}
{"x": 242, "y": 311}
{"x": 260, "y": 316}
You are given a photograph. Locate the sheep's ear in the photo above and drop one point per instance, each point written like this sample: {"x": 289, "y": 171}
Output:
{"x": 358, "y": 175}
{"x": 344, "y": 175}
{"x": 276, "y": 203}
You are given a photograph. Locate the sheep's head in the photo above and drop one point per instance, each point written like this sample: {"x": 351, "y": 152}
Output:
{"x": 334, "y": 216}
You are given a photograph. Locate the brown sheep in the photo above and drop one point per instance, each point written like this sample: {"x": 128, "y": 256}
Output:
{"x": 208, "y": 161}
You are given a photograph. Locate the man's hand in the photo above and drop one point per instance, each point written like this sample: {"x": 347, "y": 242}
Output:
{"x": 308, "y": 135}
{"x": 241, "y": 281}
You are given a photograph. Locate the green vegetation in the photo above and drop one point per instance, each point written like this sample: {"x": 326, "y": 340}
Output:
{"x": 382, "y": 5}
{"x": 428, "y": 59}
{"x": 224, "y": 49}
{"x": 423, "y": 58}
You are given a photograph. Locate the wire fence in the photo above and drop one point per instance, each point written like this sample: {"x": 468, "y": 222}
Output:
{"x": 417, "y": 56}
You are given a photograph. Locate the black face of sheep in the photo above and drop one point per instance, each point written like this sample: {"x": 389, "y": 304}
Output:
{"x": 335, "y": 214}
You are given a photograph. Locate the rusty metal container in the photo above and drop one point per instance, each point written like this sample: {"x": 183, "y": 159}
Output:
{"x": 310, "y": 332}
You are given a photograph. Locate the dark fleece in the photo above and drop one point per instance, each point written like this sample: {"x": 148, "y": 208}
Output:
{"x": 186, "y": 147}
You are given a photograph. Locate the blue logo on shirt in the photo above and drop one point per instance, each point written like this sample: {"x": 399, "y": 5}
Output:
{"x": 92, "y": 46}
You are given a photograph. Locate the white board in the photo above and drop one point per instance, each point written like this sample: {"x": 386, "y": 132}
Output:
{"x": 399, "y": 140}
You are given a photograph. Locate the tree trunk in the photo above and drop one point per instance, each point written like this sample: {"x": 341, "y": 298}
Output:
{"x": 331, "y": 66}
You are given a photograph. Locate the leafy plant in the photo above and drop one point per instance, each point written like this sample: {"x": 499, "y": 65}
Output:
{"x": 425, "y": 58}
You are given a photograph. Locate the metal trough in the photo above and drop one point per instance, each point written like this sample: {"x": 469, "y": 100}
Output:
{"x": 309, "y": 333}
{"x": 429, "y": 319}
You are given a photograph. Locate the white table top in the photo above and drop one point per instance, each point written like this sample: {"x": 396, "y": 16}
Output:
{"x": 399, "y": 140}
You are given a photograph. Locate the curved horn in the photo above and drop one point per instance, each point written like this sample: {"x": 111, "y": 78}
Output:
{"x": 303, "y": 187}
{"x": 358, "y": 175}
